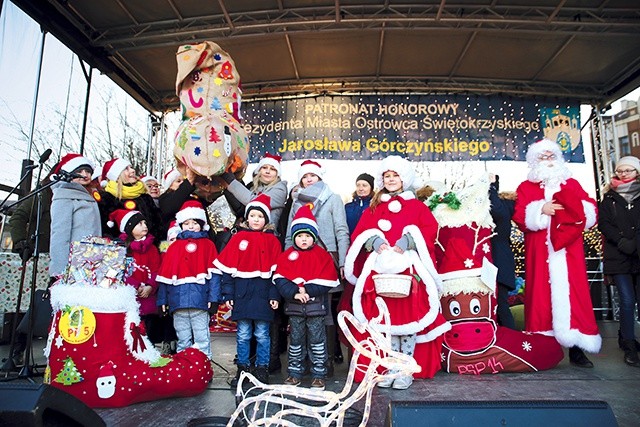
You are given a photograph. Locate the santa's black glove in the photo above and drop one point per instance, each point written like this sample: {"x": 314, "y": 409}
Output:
{"x": 214, "y": 308}
{"x": 23, "y": 249}
{"x": 627, "y": 246}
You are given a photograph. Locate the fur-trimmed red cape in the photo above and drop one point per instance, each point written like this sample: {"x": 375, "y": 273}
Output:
{"x": 188, "y": 261}
{"x": 250, "y": 254}
{"x": 314, "y": 265}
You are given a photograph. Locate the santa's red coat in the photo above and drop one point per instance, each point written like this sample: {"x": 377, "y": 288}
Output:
{"x": 557, "y": 298}
{"x": 418, "y": 313}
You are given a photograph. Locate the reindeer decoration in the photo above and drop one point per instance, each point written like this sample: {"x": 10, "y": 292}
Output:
{"x": 262, "y": 404}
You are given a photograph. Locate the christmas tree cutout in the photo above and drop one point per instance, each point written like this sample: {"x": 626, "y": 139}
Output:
{"x": 69, "y": 374}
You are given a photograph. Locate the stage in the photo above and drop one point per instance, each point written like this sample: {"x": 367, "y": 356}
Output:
{"x": 610, "y": 380}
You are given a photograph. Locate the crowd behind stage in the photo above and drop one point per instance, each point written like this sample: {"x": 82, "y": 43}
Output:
{"x": 298, "y": 255}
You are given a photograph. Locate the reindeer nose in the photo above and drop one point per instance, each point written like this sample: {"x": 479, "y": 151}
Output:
{"x": 477, "y": 331}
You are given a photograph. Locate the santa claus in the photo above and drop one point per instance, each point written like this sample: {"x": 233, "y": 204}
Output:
{"x": 552, "y": 210}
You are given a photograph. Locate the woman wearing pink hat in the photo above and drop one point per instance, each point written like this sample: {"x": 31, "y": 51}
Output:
{"x": 124, "y": 190}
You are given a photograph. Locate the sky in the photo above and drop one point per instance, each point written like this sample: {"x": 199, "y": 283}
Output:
{"x": 62, "y": 79}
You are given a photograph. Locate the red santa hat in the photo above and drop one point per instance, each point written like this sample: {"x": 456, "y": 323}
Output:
{"x": 173, "y": 231}
{"x": 71, "y": 161}
{"x": 263, "y": 203}
{"x": 567, "y": 224}
{"x": 147, "y": 178}
{"x": 462, "y": 259}
{"x": 304, "y": 222}
{"x": 106, "y": 370}
{"x": 539, "y": 147}
{"x": 403, "y": 168}
{"x": 169, "y": 178}
{"x": 192, "y": 209}
{"x": 272, "y": 160}
{"x": 126, "y": 220}
{"x": 113, "y": 168}
{"x": 310, "y": 166}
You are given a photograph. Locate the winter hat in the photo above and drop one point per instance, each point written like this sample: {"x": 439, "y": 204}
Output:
{"x": 173, "y": 231}
{"x": 113, "y": 168}
{"x": 310, "y": 166}
{"x": 126, "y": 220}
{"x": 629, "y": 161}
{"x": 147, "y": 178}
{"x": 169, "y": 177}
{"x": 270, "y": 159}
{"x": 304, "y": 222}
{"x": 192, "y": 209}
{"x": 365, "y": 177}
{"x": 403, "y": 168}
{"x": 262, "y": 203}
{"x": 71, "y": 161}
{"x": 537, "y": 148}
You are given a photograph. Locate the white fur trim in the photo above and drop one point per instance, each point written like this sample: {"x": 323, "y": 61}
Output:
{"x": 403, "y": 168}
{"x": 310, "y": 168}
{"x": 190, "y": 213}
{"x": 125, "y": 219}
{"x": 200, "y": 279}
{"x": 150, "y": 354}
{"x": 590, "y": 213}
{"x": 561, "y": 305}
{"x": 354, "y": 251}
{"x": 458, "y": 274}
{"x": 433, "y": 334}
{"x": 385, "y": 197}
{"x": 244, "y": 274}
{"x": 306, "y": 221}
{"x": 103, "y": 300}
{"x": 465, "y": 285}
{"x": 169, "y": 178}
{"x": 324, "y": 282}
{"x": 534, "y": 219}
{"x": 255, "y": 204}
{"x": 475, "y": 207}
{"x": 75, "y": 163}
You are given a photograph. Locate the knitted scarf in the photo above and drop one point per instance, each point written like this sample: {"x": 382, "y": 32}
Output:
{"x": 629, "y": 189}
{"x": 129, "y": 192}
{"x": 316, "y": 194}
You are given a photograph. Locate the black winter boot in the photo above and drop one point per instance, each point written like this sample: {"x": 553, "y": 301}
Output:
{"x": 621, "y": 346}
{"x": 630, "y": 353}
{"x": 234, "y": 382}
{"x": 262, "y": 374}
{"x": 578, "y": 358}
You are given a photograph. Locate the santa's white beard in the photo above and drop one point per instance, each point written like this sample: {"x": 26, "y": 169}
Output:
{"x": 551, "y": 172}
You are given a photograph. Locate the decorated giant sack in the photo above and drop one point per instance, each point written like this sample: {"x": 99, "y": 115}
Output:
{"x": 210, "y": 139}
{"x": 476, "y": 344}
{"x": 97, "y": 348}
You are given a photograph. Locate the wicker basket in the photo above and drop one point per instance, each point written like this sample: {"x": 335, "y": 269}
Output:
{"x": 392, "y": 285}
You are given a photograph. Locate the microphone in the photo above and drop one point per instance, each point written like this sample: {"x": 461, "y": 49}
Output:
{"x": 45, "y": 156}
{"x": 63, "y": 175}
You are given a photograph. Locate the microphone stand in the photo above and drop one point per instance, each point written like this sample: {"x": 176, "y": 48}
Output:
{"x": 27, "y": 371}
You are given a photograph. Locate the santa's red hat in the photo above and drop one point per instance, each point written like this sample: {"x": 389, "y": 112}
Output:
{"x": 169, "y": 178}
{"x": 310, "y": 166}
{"x": 403, "y": 168}
{"x": 272, "y": 160}
{"x": 304, "y": 222}
{"x": 263, "y": 203}
{"x": 72, "y": 161}
{"x": 126, "y": 220}
{"x": 173, "y": 231}
{"x": 147, "y": 178}
{"x": 106, "y": 370}
{"x": 192, "y": 209}
{"x": 113, "y": 168}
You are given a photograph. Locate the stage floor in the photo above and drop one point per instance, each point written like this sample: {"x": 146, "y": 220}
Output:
{"x": 610, "y": 380}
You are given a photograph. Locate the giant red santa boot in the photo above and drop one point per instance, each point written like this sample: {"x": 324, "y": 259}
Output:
{"x": 98, "y": 350}
{"x": 476, "y": 344}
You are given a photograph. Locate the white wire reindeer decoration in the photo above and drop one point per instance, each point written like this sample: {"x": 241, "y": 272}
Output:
{"x": 274, "y": 405}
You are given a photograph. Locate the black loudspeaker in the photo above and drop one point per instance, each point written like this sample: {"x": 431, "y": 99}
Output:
{"x": 42, "y": 405}
{"x": 509, "y": 413}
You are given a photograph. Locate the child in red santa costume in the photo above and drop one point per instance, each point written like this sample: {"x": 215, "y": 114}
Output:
{"x": 305, "y": 273}
{"x": 189, "y": 283}
{"x": 140, "y": 245}
{"x": 396, "y": 235}
{"x": 247, "y": 263}
{"x": 552, "y": 210}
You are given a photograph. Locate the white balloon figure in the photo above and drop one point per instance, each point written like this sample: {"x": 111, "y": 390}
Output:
{"x": 279, "y": 405}
{"x": 106, "y": 382}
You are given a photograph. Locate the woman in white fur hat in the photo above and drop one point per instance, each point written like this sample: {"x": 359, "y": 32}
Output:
{"x": 619, "y": 222}
{"x": 396, "y": 235}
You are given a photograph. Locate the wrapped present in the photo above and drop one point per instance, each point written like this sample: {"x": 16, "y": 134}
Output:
{"x": 96, "y": 261}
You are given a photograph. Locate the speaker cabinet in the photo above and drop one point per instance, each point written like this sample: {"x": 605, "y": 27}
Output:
{"x": 42, "y": 405}
{"x": 561, "y": 413}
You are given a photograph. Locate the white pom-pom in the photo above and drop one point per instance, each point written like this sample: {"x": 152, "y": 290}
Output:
{"x": 395, "y": 206}
{"x": 111, "y": 224}
{"x": 385, "y": 198}
{"x": 384, "y": 224}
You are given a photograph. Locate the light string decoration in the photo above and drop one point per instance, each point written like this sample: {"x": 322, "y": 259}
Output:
{"x": 280, "y": 405}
